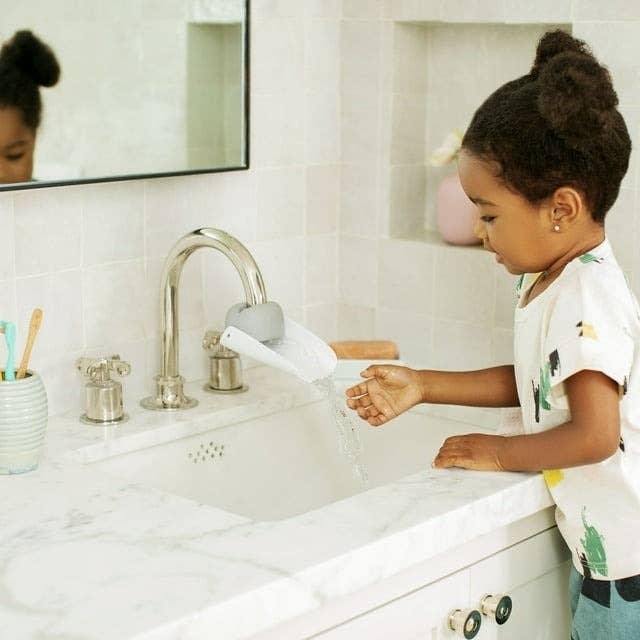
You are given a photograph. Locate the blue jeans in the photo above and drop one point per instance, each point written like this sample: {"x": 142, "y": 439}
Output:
{"x": 604, "y": 610}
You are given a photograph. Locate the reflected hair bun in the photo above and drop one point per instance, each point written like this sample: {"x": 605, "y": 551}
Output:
{"x": 32, "y": 57}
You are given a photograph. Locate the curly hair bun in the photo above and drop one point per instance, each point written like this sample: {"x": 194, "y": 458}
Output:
{"x": 553, "y": 43}
{"x": 575, "y": 93}
{"x": 31, "y": 56}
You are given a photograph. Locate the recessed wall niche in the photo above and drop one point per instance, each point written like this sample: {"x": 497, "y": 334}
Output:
{"x": 442, "y": 71}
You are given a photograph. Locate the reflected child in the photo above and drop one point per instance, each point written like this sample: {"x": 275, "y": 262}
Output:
{"x": 26, "y": 64}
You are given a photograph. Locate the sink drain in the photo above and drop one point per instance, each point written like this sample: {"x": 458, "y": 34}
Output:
{"x": 206, "y": 452}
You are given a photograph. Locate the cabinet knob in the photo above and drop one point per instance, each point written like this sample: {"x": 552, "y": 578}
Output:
{"x": 497, "y": 606}
{"x": 465, "y": 622}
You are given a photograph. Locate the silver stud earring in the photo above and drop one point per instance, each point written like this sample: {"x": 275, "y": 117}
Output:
{"x": 556, "y": 227}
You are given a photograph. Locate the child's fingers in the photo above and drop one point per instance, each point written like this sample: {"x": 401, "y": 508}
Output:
{"x": 376, "y": 412}
{"x": 445, "y": 459}
{"x": 368, "y": 411}
{"x": 376, "y": 421}
{"x": 451, "y": 453}
{"x": 374, "y": 371}
{"x": 360, "y": 401}
{"x": 357, "y": 390}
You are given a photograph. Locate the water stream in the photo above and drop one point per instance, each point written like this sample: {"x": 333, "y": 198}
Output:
{"x": 348, "y": 434}
{"x": 307, "y": 363}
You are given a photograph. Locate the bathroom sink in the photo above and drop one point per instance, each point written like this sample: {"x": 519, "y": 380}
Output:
{"x": 286, "y": 463}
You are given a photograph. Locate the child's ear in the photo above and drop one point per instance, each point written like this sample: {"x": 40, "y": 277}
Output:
{"x": 566, "y": 206}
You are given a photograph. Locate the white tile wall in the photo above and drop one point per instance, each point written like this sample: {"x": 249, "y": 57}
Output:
{"x": 407, "y": 277}
{"x": 280, "y": 203}
{"x": 356, "y": 322}
{"x": 314, "y": 207}
{"x": 113, "y": 224}
{"x": 540, "y": 11}
{"x": 464, "y": 286}
{"x": 321, "y": 270}
{"x": 7, "y": 244}
{"x": 360, "y": 200}
{"x": 48, "y": 230}
{"x": 460, "y": 345}
{"x": 412, "y": 332}
{"x": 322, "y": 199}
{"x": 613, "y": 10}
{"x": 358, "y": 272}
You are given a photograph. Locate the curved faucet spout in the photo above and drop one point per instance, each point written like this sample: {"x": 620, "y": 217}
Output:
{"x": 170, "y": 393}
{"x": 242, "y": 260}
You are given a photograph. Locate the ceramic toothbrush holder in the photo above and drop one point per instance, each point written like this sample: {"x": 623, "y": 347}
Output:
{"x": 23, "y": 422}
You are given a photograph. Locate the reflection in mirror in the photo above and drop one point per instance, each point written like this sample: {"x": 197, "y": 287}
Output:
{"x": 145, "y": 88}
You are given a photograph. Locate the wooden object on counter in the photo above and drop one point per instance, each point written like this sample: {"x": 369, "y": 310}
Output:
{"x": 365, "y": 349}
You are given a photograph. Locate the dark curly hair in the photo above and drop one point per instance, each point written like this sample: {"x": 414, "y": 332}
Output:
{"x": 26, "y": 64}
{"x": 556, "y": 126}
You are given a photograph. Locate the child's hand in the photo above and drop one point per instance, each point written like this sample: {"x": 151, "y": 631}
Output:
{"x": 389, "y": 391}
{"x": 472, "y": 451}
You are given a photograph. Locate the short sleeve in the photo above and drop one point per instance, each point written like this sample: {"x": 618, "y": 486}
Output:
{"x": 588, "y": 327}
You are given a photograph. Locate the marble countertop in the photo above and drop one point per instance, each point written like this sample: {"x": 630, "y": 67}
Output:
{"x": 87, "y": 556}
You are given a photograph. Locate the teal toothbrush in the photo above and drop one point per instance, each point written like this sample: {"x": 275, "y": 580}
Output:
{"x": 9, "y": 330}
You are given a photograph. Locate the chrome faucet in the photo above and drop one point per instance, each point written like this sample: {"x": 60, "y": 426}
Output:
{"x": 169, "y": 383}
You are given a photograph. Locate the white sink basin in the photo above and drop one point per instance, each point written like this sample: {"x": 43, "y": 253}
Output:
{"x": 284, "y": 464}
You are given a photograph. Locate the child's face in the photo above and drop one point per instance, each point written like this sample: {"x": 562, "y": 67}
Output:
{"x": 519, "y": 233}
{"x": 17, "y": 143}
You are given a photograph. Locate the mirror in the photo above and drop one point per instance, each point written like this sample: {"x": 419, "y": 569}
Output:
{"x": 146, "y": 88}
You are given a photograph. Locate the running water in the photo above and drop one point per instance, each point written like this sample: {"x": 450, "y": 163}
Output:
{"x": 307, "y": 363}
{"x": 348, "y": 434}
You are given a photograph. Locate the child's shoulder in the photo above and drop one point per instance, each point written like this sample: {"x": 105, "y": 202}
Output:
{"x": 599, "y": 280}
{"x": 600, "y": 272}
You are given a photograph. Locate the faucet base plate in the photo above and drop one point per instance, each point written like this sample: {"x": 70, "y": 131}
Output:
{"x": 169, "y": 395}
{"x": 156, "y": 404}
{"x": 103, "y": 423}
{"x": 241, "y": 389}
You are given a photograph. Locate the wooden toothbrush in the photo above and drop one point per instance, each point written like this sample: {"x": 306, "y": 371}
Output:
{"x": 34, "y": 327}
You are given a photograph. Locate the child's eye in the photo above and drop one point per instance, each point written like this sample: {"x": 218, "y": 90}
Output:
{"x": 487, "y": 218}
{"x": 15, "y": 158}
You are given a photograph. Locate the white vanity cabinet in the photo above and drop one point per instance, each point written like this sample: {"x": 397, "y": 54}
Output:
{"x": 533, "y": 572}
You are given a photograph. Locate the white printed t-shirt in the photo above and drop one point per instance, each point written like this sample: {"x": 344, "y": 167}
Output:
{"x": 588, "y": 318}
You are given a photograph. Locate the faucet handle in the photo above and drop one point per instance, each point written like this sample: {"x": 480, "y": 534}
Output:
{"x": 225, "y": 375}
{"x": 214, "y": 348}
{"x": 100, "y": 369}
{"x": 103, "y": 396}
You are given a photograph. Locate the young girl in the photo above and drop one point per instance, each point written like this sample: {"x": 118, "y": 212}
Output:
{"x": 543, "y": 159}
{"x": 26, "y": 63}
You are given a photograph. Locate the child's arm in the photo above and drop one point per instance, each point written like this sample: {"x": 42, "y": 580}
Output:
{"x": 592, "y": 435}
{"x": 390, "y": 390}
{"x": 493, "y": 387}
